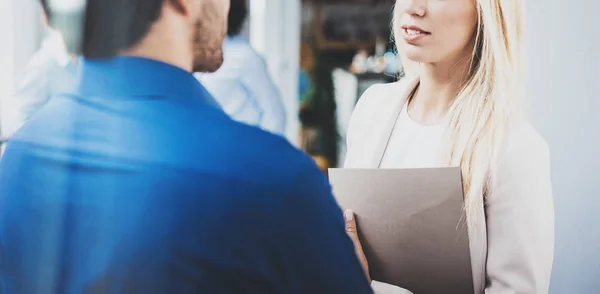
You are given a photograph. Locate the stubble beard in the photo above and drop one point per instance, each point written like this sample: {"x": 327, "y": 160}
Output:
{"x": 208, "y": 40}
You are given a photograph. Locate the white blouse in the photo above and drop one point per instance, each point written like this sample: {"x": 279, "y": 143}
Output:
{"x": 413, "y": 145}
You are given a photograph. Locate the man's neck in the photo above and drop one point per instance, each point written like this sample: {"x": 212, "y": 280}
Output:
{"x": 160, "y": 56}
{"x": 171, "y": 50}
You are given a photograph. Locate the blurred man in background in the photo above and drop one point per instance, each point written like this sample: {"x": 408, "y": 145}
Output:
{"x": 49, "y": 71}
{"x": 243, "y": 86}
{"x": 137, "y": 182}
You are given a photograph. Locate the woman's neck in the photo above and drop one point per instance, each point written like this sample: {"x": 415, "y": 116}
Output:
{"x": 439, "y": 85}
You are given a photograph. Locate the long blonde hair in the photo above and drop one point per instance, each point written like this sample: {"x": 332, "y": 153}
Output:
{"x": 489, "y": 100}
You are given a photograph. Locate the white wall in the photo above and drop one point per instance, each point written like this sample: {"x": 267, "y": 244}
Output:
{"x": 564, "y": 84}
{"x": 275, "y": 33}
{"x": 7, "y": 65}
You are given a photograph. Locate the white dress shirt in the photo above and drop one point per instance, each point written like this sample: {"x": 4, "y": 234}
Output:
{"x": 244, "y": 88}
{"x": 50, "y": 70}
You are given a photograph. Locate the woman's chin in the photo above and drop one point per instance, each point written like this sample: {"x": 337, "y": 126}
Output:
{"x": 415, "y": 55}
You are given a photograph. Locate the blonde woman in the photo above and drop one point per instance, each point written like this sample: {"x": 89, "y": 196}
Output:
{"x": 460, "y": 105}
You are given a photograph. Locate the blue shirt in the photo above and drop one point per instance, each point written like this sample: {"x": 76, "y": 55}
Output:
{"x": 139, "y": 183}
{"x": 244, "y": 88}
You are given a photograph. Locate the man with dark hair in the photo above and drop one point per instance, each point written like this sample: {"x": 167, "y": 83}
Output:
{"x": 243, "y": 86}
{"x": 137, "y": 182}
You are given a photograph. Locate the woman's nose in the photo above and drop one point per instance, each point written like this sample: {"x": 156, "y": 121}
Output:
{"x": 413, "y": 7}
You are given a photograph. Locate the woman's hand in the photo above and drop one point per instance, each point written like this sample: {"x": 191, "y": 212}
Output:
{"x": 352, "y": 232}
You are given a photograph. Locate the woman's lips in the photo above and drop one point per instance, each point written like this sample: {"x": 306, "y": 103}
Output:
{"x": 413, "y": 34}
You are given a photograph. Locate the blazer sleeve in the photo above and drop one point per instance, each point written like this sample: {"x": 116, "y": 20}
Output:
{"x": 520, "y": 219}
{"x": 354, "y": 124}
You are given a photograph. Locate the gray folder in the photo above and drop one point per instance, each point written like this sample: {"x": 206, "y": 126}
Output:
{"x": 411, "y": 224}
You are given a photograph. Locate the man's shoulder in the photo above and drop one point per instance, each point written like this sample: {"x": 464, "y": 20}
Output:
{"x": 203, "y": 140}
{"x": 239, "y": 45}
{"x": 239, "y": 51}
{"x": 253, "y": 153}
{"x": 43, "y": 60}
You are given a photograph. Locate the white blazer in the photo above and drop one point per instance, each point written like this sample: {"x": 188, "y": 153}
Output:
{"x": 512, "y": 247}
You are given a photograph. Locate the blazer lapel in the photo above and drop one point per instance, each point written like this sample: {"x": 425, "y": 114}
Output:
{"x": 390, "y": 122}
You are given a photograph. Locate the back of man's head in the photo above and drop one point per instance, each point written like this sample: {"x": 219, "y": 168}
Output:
{"x": 114, "y": 25}
{"x": 237, "y": 17}
{"x": 153, "y": 27}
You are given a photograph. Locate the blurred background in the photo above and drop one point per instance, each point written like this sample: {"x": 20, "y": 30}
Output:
{"x": 323, "y": 54}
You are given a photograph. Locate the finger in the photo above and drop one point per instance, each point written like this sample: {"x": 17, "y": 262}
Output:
{"x": 350, "y": 222}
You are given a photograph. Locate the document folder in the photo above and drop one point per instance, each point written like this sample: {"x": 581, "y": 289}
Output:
{"x": 412, "y": 226}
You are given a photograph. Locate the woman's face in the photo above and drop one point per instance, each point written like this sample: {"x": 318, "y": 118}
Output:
{"x": 433, "y": 31}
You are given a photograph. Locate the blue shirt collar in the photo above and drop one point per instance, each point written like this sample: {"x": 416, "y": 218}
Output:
{"x": 138, "y": 76}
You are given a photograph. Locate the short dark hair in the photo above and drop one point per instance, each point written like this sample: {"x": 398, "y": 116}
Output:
{"x": 237, "y": 16}
{"x": 111, "y": 26}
